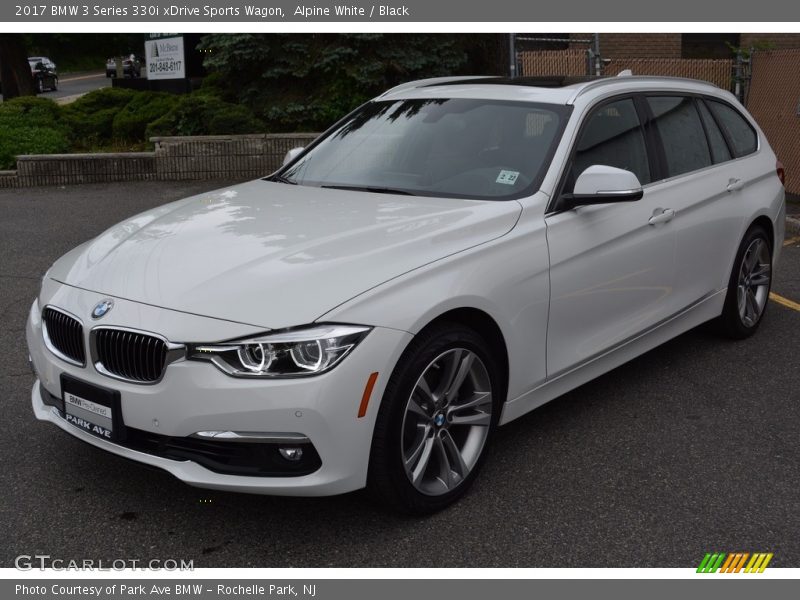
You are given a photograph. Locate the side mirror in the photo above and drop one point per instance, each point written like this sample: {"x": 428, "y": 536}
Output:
{"x": 601, "y": 184}
{"x": 291, "y": 155}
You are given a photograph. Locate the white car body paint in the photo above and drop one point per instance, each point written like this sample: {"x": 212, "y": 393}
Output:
{"x": 574, "y": 293}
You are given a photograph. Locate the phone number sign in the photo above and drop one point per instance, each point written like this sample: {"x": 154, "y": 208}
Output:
{"x": 165, "y": 58}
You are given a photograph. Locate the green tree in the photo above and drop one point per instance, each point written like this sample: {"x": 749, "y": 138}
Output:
{"x": 15, "y": 72}
{"x": 83, "y": 51}
{"x": 304, "y": 82}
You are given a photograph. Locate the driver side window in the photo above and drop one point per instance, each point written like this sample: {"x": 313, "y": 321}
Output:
{"x": 612, "y": 136}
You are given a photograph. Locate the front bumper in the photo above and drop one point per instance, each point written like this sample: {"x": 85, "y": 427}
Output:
{"x": 196, "y": 396}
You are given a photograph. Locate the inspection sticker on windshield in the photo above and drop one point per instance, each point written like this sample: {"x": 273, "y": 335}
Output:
{"x": 507, "y": 177}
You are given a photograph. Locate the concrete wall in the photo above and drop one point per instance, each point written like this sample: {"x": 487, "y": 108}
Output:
{"x": 174, "y": 158}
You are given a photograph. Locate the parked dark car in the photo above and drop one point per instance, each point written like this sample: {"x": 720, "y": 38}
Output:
{"x": 131, "y": 66}
{"x": 44, "y": 73}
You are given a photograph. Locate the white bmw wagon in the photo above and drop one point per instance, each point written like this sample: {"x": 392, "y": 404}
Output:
{"x": 446, "y": 258}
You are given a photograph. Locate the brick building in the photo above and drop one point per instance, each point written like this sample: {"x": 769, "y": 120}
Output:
{"x": 683, "y": 45}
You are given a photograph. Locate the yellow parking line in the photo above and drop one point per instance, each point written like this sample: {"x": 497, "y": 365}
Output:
{"x": 784, "y": 301}
{"x": 790, "y": 241}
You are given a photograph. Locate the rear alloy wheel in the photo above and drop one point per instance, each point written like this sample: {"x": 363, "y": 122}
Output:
{"x": 437, "y": 416}
{"x": 749, "y": 286}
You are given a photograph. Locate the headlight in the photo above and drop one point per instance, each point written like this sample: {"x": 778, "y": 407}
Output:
{"x": 291, "y": 353}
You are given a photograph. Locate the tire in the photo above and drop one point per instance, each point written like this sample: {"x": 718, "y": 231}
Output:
{"x": 437, "y": 417}
{"x": 39, "y": 86}
{"x": 55, "y": 84}
{"x": 749, "y": 286}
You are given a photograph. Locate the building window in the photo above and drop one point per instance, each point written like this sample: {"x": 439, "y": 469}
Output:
{"x": 708, "y": 45}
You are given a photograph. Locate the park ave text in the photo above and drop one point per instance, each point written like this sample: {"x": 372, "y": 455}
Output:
{"x": 167, "y": 589}
{"x": 173, "y": 11}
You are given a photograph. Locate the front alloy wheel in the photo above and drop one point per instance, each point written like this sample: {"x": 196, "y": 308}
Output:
{"x": 446, "y": 422}
{"x": 437, "y": 416}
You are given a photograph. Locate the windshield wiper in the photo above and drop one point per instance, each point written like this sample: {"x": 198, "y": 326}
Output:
{"x": 281, "y": 179}
{"x": 367, "y": 188}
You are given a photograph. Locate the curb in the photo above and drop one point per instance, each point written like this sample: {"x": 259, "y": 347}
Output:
{"x": 68, "y": 99}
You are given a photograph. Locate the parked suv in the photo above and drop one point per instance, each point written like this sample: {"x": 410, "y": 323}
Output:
{"x": 131, "y": 66}
{"x": 448, "y": 257}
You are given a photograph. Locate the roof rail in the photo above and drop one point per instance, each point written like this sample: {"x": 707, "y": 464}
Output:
{"x": 410, "y": 85}
{"x": 626, "y": 77}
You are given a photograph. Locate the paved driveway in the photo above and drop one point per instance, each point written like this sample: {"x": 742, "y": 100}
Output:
{"x": 693, "y": 447}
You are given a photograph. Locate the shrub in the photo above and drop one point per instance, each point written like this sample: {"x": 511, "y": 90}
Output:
{"x": 30, "y": 125}
{"x": 234, "y": 119}
{"x": 91, "y": 117}
{"x": 30, "y": 140}
{"x": 30, "y": 110}
{"x": 104, "y": 98}
{"x": 198, "y": 114}
{"x": 132, "y": 119}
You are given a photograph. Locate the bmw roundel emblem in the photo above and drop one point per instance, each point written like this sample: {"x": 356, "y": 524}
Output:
{"x": 101, "y": 308}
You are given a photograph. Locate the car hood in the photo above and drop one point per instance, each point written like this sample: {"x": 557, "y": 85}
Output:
{"x": 276, "y": 255}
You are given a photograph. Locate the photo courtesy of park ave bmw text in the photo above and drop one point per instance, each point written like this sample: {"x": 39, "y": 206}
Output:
{"x": 460, "y": 298}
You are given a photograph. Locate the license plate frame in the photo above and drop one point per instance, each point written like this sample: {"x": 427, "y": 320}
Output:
{"x": 92, "y": 408}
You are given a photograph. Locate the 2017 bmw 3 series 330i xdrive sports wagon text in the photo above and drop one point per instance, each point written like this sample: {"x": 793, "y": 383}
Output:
{"x": 443, "y": 260}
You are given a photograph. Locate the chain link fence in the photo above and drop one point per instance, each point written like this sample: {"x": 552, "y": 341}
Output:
{"x": 717, "y": 71}
{"x": 573, "y": 62}
{"x": 579, "y": 62}
{"x": 773, "y": 98}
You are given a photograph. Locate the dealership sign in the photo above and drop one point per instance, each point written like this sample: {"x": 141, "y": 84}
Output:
{"x": 165, "y": 56}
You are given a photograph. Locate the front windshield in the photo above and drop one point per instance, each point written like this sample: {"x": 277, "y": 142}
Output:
{"x": 484, "y": 149}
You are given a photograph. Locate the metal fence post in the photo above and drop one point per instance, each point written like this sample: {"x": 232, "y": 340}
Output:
{"x": 598, "y": 61}
{"x": 512, "y": 55}
{"x": 748, "y": 76}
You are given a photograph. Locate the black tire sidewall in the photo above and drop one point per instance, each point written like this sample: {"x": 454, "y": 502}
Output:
{"x": 387, "y": 474}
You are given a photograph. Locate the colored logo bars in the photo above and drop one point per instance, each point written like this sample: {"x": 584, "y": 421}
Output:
{"x": 735, "y": 562}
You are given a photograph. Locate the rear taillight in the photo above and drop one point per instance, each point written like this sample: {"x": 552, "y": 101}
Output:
{"x": 781, "y": 172}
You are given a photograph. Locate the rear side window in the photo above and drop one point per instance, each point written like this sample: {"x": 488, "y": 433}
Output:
{"x": 741, "y": 134}
{"x": 681, "y": 132}
{"x": 612, "y": 136}
{"x": 719, "y": 149}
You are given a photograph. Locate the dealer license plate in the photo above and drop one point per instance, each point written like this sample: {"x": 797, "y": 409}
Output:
{"x": 91, "y": 408}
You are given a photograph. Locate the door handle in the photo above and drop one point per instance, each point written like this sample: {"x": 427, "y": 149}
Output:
{"x": 662, "y": 217}
{"x": 734, "y": 185}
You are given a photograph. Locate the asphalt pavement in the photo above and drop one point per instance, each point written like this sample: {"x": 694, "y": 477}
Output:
{"x": 691, "y": 448}
{"x": 77, "y": 84}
